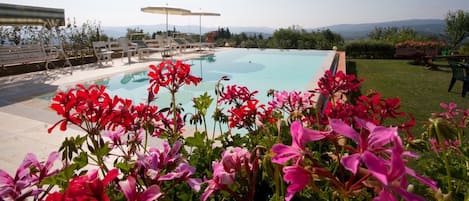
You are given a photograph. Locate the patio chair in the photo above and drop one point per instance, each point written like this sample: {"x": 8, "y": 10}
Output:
{"x": 102, "y": 52}
{"x": 144, "y": 51}
{"x": 461, "y": 73}
{"x": 127, "y": 48}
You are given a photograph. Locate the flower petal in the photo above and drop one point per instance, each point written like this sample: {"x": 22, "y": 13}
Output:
{"x": 297, "y": 177}
{"x": 351, "y": 162}
{"x": 283, "y": 153}
{"x": 365, "y": 124}
{"x": 313, "y": 135}
{"x": 194, "y": 183}
{"x": 381, "y": 136}
{"x": 385, "y": 195}
{"x": 296, "y": 130}
{"x": 152, "y": 193}
{"x": 430, "y": 183}
{"x": 112, "y": 174}
{"x": 342, "y": 128}
{"x": 376, "y": 167}
{"x": 128, "y": 188}
{"x": 407, "y": 195}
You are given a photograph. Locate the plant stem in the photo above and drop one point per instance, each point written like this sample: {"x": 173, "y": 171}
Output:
{"x": 205, "y": 124}
{"x": 277, "y": 181}
{"x": 173, "y": 101}
{"x": 441, "y": 141}
{"x": 146, "y": 141}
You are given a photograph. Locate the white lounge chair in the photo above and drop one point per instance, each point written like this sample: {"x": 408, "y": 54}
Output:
{"x": 102, "y": 52}
{"x": 127, "y": 48}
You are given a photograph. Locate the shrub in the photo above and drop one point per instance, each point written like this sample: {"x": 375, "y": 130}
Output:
{"x": 369, "y": 49}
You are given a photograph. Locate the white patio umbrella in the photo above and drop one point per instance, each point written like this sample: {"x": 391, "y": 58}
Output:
{"x": 166, "y": 10}
{"x": 200, "y": 14}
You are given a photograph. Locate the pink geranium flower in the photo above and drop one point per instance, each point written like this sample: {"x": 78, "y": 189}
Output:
{"x": 28, "y": 174}
{"x": 292, "y": 101}
{"x": 116, "y": 137}
{"x": 220, "y": 180}
{"x": 374, "y": 142}
{"x": 129, "y": 189}
{"x": 297, "y": 177}
{"x": 183, "y": 171}
{"x": 392, "y": 174}
{"x": 235, "y": 159}
{"x": 300, "y": 136}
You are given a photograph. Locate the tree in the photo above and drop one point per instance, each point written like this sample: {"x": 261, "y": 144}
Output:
{"x": 133, "y": 31}
{"x": 394, "y": 34}
{"x": 457, "y": 25}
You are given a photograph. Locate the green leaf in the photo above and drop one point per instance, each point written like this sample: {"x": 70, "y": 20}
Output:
{"x": 202, "y": 103}
{"x": 124, "y": 166}
{"x": 197, "y": 140}
{"x": 81, "y": 160}
{"x": 103, "y": 151}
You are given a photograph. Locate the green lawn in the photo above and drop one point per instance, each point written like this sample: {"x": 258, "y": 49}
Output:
{"x": 421, "y": 90}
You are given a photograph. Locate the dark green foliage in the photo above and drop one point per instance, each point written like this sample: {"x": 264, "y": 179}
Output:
{"x": 369, "y": 49}
{"x": 290, "y": 38}
{"x": 301, "y": 39}
{"x": 457, "y": 26}
{"x": 394, "y": 34}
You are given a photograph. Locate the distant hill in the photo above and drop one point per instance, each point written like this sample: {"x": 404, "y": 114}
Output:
{"x": 428, "y": 27}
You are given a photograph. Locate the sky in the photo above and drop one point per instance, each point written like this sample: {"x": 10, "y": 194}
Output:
{"x": 253, "y": 13}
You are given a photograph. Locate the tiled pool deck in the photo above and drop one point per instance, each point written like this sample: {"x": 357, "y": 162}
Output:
{"x": 24, "y": 121}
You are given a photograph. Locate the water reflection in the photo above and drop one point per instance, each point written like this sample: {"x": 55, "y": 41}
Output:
{"x": 135, "y": 77}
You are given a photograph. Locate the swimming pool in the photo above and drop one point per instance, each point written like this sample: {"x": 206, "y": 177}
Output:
{"x": 257, "y": 69}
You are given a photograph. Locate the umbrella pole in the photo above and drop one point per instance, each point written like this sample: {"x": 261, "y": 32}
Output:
{"x": 167, "y": 30}
{"x": 200, "y": 32}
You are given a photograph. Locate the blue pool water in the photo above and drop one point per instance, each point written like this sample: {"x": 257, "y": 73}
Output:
{"x": 257, "y": 69}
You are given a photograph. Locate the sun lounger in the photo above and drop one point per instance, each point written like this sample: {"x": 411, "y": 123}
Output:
{"x": 143, "y": 50}
{"x": 128, "y": 48}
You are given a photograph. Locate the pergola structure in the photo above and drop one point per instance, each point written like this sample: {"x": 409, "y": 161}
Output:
{"x": 11, "y": 14}
{"x": 21, "y": 15}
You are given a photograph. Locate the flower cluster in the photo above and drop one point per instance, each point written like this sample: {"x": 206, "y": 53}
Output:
{"x": 297, "y": 174}
{"x": 454, "y": 120}
{"x": 92, "y": 106}
{"x": 293, "y": 103}
{"x": 332, "y": 84}
{"x": 246, "y": 111}
{"x": 168, "y": 164}
{"x": 420, "y": 44}
{"x": 28, "y": 175}
{"x": 237, "y": 95}
{"x": 171, "y": 76}
{"x": 371, "y": 108}
{"x": 458, "y": 117}
{"x": 339, "y": 150}
{"x": 86, "y": 187}
{"x": 378, "y": 154}
{"x": 236, "y": 170}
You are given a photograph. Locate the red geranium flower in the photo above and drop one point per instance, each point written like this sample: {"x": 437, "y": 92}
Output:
{"x": 86, "y": 188}
{"x": 171, "y": 76}
{"x": 93, "y": 106}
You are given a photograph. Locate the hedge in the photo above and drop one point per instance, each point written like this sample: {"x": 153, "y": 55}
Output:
{"x": 369, "y": 49}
